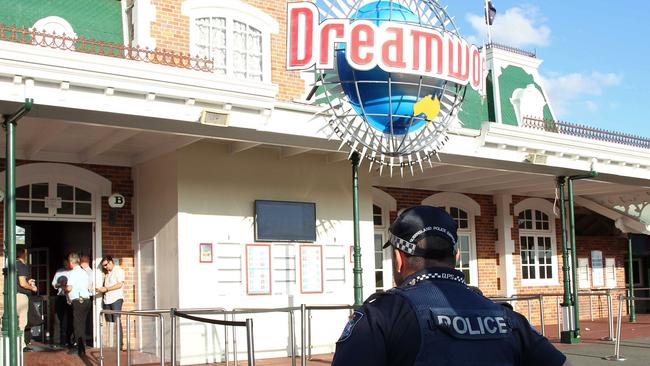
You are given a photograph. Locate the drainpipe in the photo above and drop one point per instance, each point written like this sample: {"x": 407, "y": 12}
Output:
{"x": 358, "y": 286}
{"x": 630, "y": 276}
{"x": 566, "y": 300}
{"x": 574, "y": 259}
{"x": 9, "y": 317}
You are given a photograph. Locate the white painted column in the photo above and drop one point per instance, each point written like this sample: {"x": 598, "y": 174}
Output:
{"x": 493, "y": 65}
{"x": 505, "y": 245}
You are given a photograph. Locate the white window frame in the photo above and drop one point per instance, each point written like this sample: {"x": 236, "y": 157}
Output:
{"x": 57, "y": 201}
{"x": 473, "y": 209}
{"x": 610, "y": 282}
{"x": 387, "y": 203}
{"x": 546, "y": 207}
{"x": 233, "y": 10}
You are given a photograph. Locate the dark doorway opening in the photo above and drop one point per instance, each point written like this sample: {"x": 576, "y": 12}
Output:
{"x": 48, "y": 243}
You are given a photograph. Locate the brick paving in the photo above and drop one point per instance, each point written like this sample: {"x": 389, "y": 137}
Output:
{"x": 635, "y": 346}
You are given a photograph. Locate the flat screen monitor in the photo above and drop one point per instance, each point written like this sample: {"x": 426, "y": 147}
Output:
{"x": 285, "y": 221}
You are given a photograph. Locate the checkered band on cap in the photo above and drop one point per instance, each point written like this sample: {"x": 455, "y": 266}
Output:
{"x": 437, "y": 276}
{"x": 401, "y": 244}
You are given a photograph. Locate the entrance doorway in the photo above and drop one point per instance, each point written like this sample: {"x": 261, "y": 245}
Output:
{"x": 48, "y": 243}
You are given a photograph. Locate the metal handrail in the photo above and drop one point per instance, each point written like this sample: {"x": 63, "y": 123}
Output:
{"x": 306, "y": 327}
{"x": 174, "y": 313}
{"x": 511, "y": 49}
{"x": 94, "y": 46}
{"x": 617, "y": 345}
{"x": 306, "y": 311}
{"x": 527, "y": 298}
{"x": 586, "y": 132}
{"x": 292, "y": 326}
{"x": 118, "y": 330}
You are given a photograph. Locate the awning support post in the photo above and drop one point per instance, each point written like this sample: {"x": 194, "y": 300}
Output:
{"x": 10, "y": 315}
{"x": 630, "y": 276}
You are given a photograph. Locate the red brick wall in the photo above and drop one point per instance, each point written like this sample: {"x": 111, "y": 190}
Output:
{"x": 486, "y": 237}
{"x": 116, "y": 238}
{"x": 171, "y": 30}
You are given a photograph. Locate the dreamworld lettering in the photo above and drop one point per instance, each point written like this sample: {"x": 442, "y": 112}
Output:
{"x": 394, "y": 47}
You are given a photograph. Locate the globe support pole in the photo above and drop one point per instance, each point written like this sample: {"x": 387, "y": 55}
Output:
{"x": 10, "y": 316}
{"x": 358, "y": 285}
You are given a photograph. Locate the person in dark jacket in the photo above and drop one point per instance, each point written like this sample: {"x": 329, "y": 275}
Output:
{"x": 433, "y": 317}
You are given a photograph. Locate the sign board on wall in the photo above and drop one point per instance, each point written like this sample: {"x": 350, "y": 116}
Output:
{"x": 311, "y": 269}
{"x": 205, "y": 253}
{"x": 258, "y": 269}
{"x": 116, "y": 200}
{"x": 583, "y": 273}
{"x": 597, "y": 272}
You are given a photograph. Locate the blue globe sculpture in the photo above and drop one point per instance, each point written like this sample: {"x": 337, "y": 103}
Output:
{"x": 386, "y": 101}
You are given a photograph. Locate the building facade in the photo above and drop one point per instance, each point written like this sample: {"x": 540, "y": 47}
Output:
{"x": 185, "y": 108}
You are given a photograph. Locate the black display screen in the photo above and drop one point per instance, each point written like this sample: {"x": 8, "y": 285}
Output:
{"x": 285, "y": 221}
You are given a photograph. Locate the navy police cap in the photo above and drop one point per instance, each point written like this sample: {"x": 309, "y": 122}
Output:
{"x": 418, "y": 222}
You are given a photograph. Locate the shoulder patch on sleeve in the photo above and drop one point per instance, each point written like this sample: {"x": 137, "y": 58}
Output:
{"x": 347, "y": 331}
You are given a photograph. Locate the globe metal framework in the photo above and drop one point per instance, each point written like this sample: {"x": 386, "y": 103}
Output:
{"x": 408, "y": 139}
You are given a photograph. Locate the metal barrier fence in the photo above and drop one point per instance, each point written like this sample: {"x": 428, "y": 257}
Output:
{"x": 306, "y": 323}
{"x": 528, "y": 299}
{"x": 187, "y": 315}
{"x": 558, "y": 296}
{"x": 617, "y": 345}
{"x": 307, "y": 309}
{"x": 292, "y": 329}
{"x": 118, "y": 332}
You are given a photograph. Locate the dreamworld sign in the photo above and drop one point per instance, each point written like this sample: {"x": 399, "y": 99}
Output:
{"x": 394, "y": 47}
{"x": 393, "y": 72}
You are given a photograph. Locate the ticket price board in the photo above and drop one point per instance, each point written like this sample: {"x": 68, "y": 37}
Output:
{"x": 258, "y": 269}
{"x": 311, "y": 269}
{"x": 597, "y": 271}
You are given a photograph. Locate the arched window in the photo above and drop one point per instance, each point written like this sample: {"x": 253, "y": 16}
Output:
{"x": 463, "y": 210}
{"x": 537, "y": 242}
{"x": 235, "y": 35}
{"x": 53, "y": 199}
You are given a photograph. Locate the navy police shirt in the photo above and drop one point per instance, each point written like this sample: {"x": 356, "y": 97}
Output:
{"x": 386, "y": 330}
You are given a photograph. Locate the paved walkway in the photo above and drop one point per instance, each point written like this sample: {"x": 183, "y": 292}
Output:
{"x": 635, "y": 347}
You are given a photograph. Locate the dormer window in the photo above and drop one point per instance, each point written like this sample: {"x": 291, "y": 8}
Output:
{"x": 235, "y": 35}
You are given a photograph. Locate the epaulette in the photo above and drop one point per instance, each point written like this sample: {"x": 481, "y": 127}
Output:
{"x": 372, "y": 298}
{"x": 506, "y": 305}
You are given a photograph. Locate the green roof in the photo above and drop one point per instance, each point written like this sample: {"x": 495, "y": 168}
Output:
{"x": 99, "y": 19}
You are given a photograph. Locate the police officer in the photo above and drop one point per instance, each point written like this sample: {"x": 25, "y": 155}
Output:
{"x": 432, "y": 317}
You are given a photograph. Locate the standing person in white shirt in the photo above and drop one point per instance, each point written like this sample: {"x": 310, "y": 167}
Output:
{"x": 84, "y": 262}
{"x": 61, "y": 306}
{"x": 113, "y": 292}
{"x": 77, "y": 290}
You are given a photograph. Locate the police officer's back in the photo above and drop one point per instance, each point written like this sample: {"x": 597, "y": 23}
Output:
{"x": 432, "y": 317}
